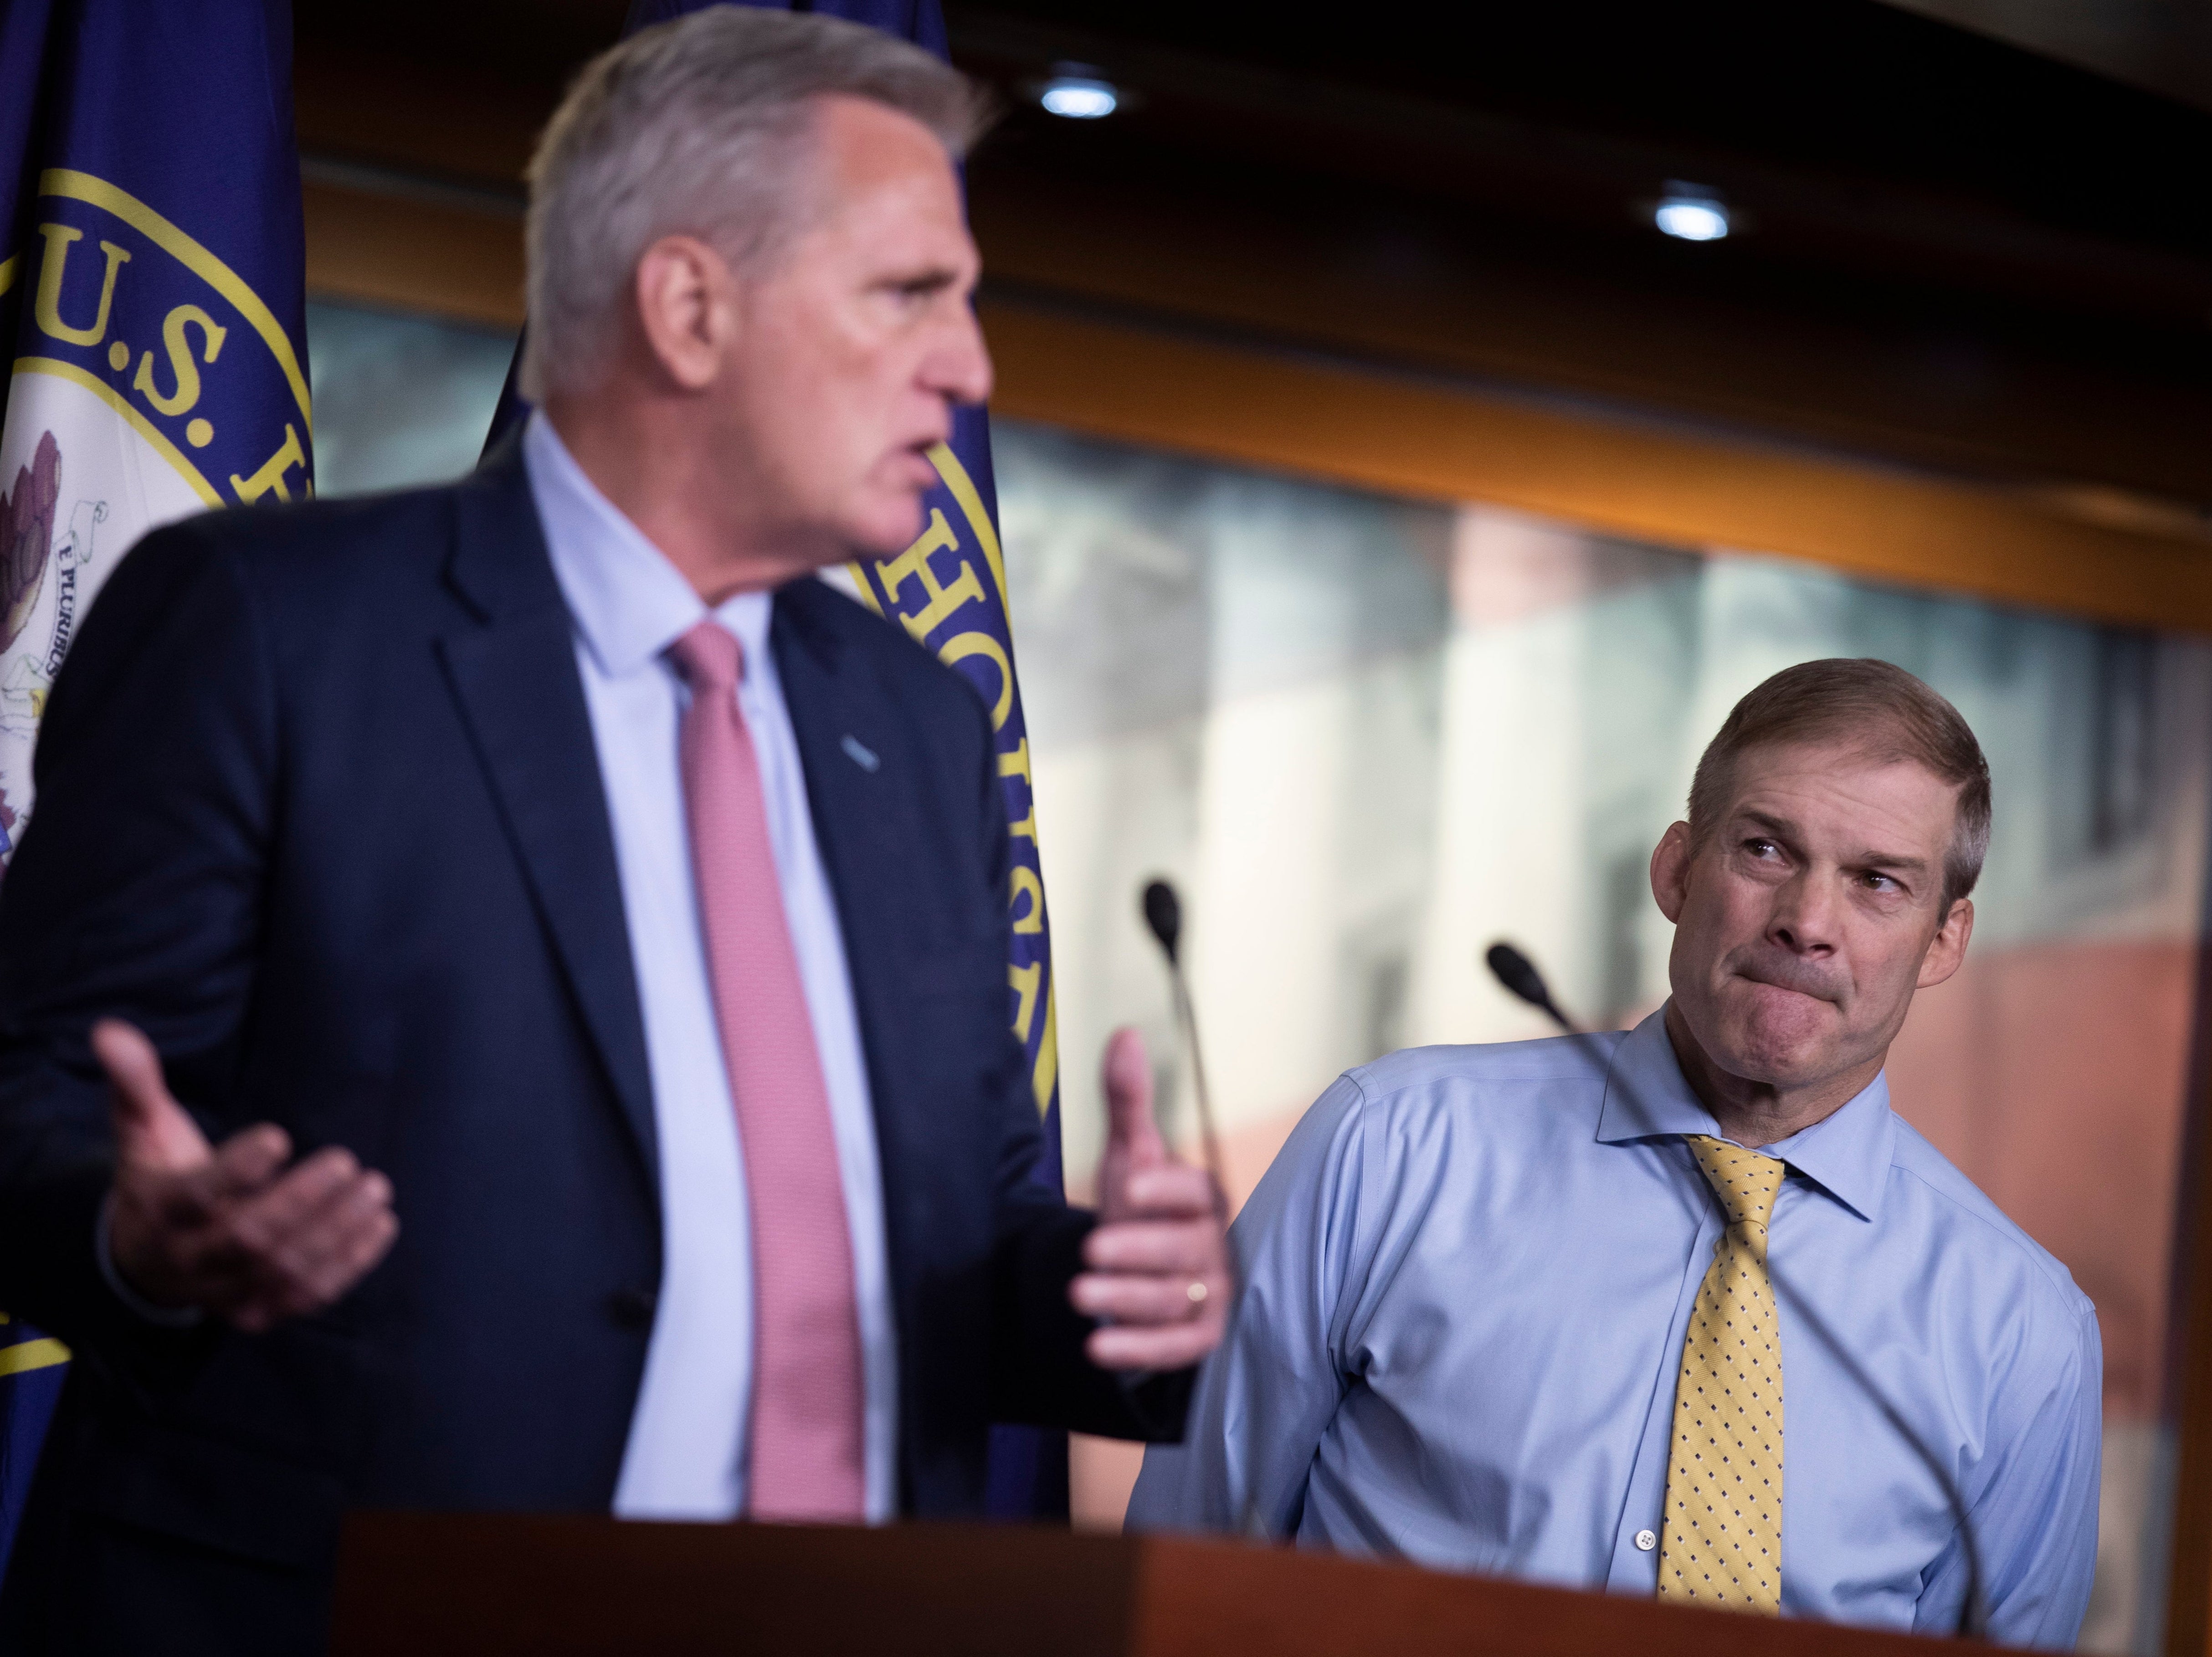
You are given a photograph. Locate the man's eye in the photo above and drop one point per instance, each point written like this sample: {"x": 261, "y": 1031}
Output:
{"x": 1759, "y": 848}
{"x": 1877, "y": 881}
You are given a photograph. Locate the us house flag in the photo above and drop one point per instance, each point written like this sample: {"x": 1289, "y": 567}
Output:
{"x": 153, "y": 299}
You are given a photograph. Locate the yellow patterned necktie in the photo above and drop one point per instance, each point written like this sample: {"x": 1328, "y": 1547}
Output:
{"x": 1721, "y": 1540}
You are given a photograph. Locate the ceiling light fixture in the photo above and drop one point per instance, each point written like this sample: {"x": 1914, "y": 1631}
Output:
{"x": 1078, "y": 93}
{"x": 1690, "y": 212}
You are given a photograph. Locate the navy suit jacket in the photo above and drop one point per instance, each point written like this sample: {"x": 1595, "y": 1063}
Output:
{"x": 318, "y": 810}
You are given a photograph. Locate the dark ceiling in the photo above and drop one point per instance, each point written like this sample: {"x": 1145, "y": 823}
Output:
{"x": 1851, "y": 136}
{"x": 2011, "y": 254}
{"x": 1846, "y": 93}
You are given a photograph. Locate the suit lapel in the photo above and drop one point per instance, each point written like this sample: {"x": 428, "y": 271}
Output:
{"x": 514, "y": 676}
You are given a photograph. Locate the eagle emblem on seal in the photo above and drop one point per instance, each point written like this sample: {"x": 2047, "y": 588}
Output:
{"x": 26, "y": 537}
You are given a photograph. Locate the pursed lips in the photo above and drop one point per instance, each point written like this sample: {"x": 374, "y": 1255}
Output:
{"x": 1811, "y": 991}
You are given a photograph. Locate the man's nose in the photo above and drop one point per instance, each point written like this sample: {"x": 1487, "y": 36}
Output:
{"x": 1806, "y": 915}
{"x": 958, "y": 368}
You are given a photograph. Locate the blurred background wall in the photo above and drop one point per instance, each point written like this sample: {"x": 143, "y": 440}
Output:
{"x": 1391, "y": 512}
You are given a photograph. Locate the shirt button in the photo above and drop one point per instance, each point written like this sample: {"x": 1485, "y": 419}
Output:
{"x": 1646, "y": 1540}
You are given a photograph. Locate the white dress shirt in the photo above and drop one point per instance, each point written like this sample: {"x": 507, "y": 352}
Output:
{"x": 687, "y": 1452}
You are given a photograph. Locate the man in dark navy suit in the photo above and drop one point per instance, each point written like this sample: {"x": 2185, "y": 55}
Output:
{"x": 504, "y": 1002}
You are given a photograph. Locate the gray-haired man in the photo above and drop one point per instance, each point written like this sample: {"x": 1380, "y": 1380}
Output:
{"x": 633, "y": 901}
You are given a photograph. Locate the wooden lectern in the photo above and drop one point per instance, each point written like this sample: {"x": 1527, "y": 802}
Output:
{"x": 460, "y": 1585}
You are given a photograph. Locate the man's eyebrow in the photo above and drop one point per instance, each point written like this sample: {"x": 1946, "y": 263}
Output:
{"x": 1782, "y": 830}
{"x": 1780, "y": 827}
{"x": 924, "y": 281}
{"x": 1892, "y": 860}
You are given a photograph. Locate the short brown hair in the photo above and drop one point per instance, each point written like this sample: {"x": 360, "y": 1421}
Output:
{"x": 1870, "y": 705}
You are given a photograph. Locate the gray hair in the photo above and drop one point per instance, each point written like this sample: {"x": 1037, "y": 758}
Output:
{"x": 700, "y": 126}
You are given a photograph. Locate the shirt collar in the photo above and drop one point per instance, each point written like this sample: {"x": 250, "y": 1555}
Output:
{"x": 629, "y": 602}
{"x": 1847, "y": 1153}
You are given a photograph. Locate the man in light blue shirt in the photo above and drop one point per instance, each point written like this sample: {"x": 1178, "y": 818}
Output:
{"x": 1466, "y": 1337}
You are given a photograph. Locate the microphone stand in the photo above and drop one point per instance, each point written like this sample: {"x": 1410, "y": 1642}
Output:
{"x": 1974, "y": 1613}
{"x": 1162, "y": 912}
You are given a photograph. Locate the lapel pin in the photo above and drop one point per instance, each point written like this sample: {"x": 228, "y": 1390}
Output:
{"x": 859, "y": 753}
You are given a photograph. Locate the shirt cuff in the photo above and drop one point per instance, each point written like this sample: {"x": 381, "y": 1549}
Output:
{"x": 163, "y": 1317}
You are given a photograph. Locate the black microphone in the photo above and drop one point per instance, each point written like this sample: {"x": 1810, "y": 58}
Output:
{"x": 1162, "y": 912}
{"x": 1520, "y": 977}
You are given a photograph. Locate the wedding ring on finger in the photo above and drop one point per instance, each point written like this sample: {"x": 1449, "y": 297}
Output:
{"x": 1196, "y": 1294}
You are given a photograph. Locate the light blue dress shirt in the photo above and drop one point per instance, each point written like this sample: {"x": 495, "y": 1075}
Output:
{"x": 1468, "y": 1275}
{"x": 686, "y": 1455}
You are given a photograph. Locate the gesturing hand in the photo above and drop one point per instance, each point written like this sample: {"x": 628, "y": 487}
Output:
{"x": 1159, "y": 1259}
{"x": 230, "y": 1229}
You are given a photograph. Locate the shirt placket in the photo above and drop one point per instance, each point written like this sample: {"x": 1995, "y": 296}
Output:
{"x": 1634, "y": 1568}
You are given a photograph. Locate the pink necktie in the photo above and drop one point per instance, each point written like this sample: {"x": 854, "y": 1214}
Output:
{"x": 807, "y": 1458}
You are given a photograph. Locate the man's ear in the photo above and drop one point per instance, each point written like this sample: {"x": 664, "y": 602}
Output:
{"x": 1946, "y": 951}
{"x": 685, "y": 298}
{"x": 1670, "y": 871}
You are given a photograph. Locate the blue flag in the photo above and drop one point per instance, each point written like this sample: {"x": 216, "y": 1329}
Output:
{"x": 32, "y": 1366}
{"x": 153, "y": 295}
{"x": 948, "y": 591}
{"x": 152, "y": 288}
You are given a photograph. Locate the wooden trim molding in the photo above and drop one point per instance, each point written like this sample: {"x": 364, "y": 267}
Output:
{"x": 2189, "y": 1377}
{"x": 2189, "y": 1579}
{"x": 1410, "y": 437}
{"x": 1375, "y": 429}
{"x": 381, "y": 247}
{"x": 1447, "y": 296}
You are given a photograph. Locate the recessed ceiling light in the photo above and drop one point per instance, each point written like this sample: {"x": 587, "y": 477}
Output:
{"x": 1690, "y": 214}
{"x": 1079, "y": 97}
